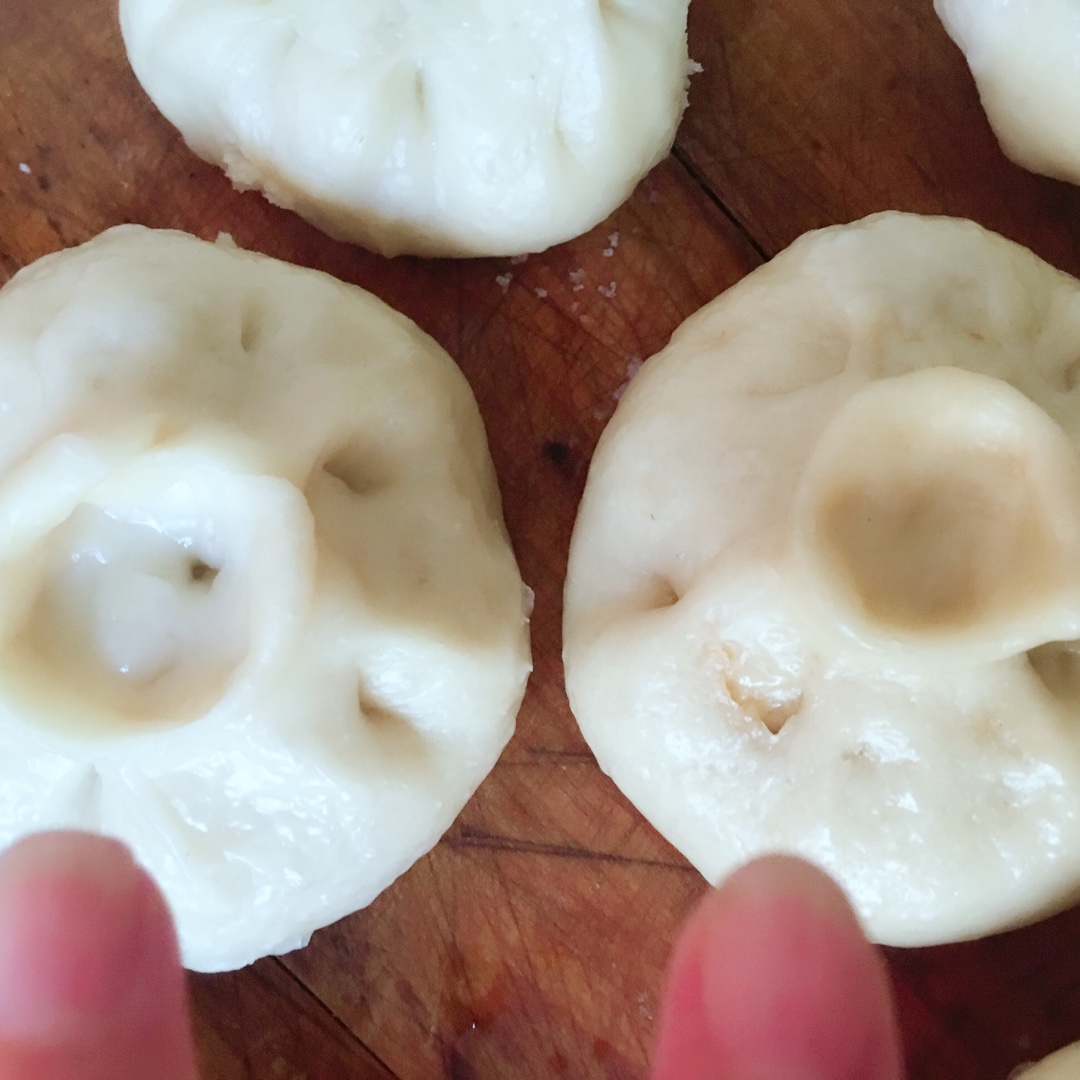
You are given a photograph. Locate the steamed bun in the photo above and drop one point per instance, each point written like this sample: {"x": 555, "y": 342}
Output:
{"x": 464, "y": 127}
{"x": 824, "y": 587}
{"x": 1025, "y": 56}
{"x": 260, "y": 618}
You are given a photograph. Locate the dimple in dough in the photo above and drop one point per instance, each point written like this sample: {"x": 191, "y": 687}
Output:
{"x": 824, "y": 587}
{"x": 458, "y": 127}
{"x": 260, "y": 618}
{"x": 1025, "y": 56}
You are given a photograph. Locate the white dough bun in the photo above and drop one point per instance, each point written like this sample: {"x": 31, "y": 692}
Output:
{"x": 824, "y": 586}
{"x": 259, "y": 614}
{"x": 464, "y": 127}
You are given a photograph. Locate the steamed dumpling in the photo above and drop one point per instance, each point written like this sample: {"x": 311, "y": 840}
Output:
{"x": 824, "y": 587}
{"x": 260, "y": 618}
{"x": 464, "y": 127}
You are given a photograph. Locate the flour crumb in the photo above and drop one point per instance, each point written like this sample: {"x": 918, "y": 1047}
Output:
{"x": 24, "y": 168}
{"x": 519, "y": 260}
{"x": 633, "y": 366}
{"x": 608, "y": 290}
{"x": 613, "y": 243}
{"x": 577, "y": 279}
{"x": 694, "y": 68}
{"x": 503, "y": 281}
{"x": 541, "y": 294}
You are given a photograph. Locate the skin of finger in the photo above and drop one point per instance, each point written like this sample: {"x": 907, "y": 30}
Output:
{"x": 91, "y": 985}
{"x": 773, "y": 979}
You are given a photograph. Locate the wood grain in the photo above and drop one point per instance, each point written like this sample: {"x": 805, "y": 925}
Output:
{"x": 531, "y": 942}
{"x": 822, "y": 111}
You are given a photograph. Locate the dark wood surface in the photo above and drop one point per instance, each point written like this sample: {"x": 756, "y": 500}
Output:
{"x": 531, "y": 942}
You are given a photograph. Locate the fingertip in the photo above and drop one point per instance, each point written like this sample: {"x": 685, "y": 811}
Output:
{"x": 90, "y": 978}
{"x": 773, "y": 977}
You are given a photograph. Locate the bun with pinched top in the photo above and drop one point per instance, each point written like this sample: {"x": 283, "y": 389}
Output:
{"x": 450, "y": 128}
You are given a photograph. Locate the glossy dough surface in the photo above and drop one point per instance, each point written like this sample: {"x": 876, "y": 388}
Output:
{"x": 465, "y": 127}
{"x": 1025, "y": 56}
{"x": 824, "y": 587}
{"x": 260, "y": 617}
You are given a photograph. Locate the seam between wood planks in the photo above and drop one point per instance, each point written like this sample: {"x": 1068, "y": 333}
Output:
{"x": 335, "y": 1019}
{"x": 698, "y": 177}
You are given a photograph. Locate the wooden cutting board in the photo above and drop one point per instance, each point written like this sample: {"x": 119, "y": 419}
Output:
{"x": 531, "y": 942}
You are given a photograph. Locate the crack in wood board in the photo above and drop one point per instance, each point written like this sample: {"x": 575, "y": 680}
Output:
{"x": 546, "y": 757}
{"x": 375, "y": 1062}
{"x": 698, "y": 177}
{"x": 468, "y": 837}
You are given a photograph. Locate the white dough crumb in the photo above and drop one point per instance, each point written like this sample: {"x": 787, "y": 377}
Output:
{"x": 225, "y": 240}
{"x": 608, "y": 290}
{"x": 541, "y": 294}
{"x": 694, "y": 68}
{"x": 577, "y": 279}
{"x": 24, "y": 168}
{"x": 503, "y": 281}
{"x": 613, "y": 243}
{"x": 633, "y": 366}
{"x": 518, "y": 260}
